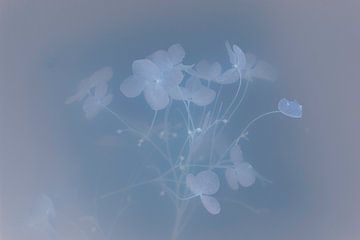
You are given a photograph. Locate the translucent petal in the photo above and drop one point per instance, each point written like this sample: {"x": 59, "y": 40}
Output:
{"x": 172, "y": 78}
{"x": 101, "y": 76}
{"x": 132, "y": 86}
{"x": 176, "y": 53}
{"x": 211, "y": 204}
{"x": 146, "y": 70}
{"x": 207, "y": 71}
{"x": 76, "y": 97}
{"x": 231, "y": 53}
{"x": 203, "y": 96}
{"x": 231, "y": 178}
{"x": 101, "y": 90}
{"x": 246, "y": 174}
{"x": 250, "y": 60}
{"x": 44, "y": 207}
{"x": 208, "y": 182}
{"x": 240, "y": 57}
{"x": 236, "y": 154}
{"x": 91, "y": 107}
{"x": 290, "y": 108}
{"x": 162, "y": 59}
{"x": 264, "y": 71}
{"x": 106, "y": 100}
{"x": 156, "y": 96}
{"x": 179, "y": 93}
{"x": 229, "y": 76}
{"x": 193, "y": 84}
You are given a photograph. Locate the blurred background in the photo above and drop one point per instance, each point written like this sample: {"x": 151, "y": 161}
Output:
{"x": 48, "y": 147}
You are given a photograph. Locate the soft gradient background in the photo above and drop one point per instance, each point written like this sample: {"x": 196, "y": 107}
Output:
{"x": 46, "y": 146}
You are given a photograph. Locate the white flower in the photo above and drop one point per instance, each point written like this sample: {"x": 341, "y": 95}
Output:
{"x": 148, "y": 78}
{"x": 101, "y": 76}
{"x": 258, "y": 69}
{"x": 238, "y": 61}
{"x": 207, "y": 71}
{"x": 240, "y": 172}
{"x": 170, "y": 59}
{"x": 290, "y": 108}
{"x": 194, "y": 91}
{"x": 204, "y": 184}
{"x": 95, "y": 102}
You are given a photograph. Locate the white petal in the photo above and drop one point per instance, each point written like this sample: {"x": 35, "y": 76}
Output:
{"x": 203, "y": 96}
{"x": 208, "y": 182}
{"x": 91, "y": 107}
{"x": 76, "y": 97}
{"x": 44, "y": 207}
{"x": 290, "y": 108}
{"x": 231, "y": 178}
{"x": 146, "y": 70}
{"x": 250, "y": 60}
{"x": 179, "y": 93}
{"x": 132, "y": 86}
{"x": 156, "y": 97}
{"x": 193, "y": 84}
{"x": 192, "y": 184}
{"x": 229, "y": 76}
{"x": 176, "y": 53}
{"x": 246, "y": 174}
{"x": 162, "y": 59}
{"x": 264, "y": 71}
{"x": 101, "y": 90}
{"x": 236, "y": 154}
{"x": 240, "y": 57}
{"x": 106, "y": 100}
{"x": 211, "y": 204}
{"x": 172, "y": 78}
{"x": 231, "y": 53}
{"x": 207, "y": 71}
{"x": 101, "y": 76}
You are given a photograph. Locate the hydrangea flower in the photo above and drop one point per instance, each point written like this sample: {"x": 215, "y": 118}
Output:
{"x": 241, "y": 172}
{"x": 148, "y": 78}
{"x": 194, "y": 91}
{"x": 208, "y": 71}
{"x": 94, "y": 103}
{"x": 238, "y": 61}
{"x": 204, "y": 184}
{"x": 290, "y": 108}
{"x": 258, "y": 69}
{"x": 170, "y": 59}
{"x": 85, "y": 87}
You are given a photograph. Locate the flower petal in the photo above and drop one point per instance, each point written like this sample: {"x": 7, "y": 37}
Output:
{"x": 162, "y": 60}
{"x": 156, "y": 96}
{"x": 240, "y": 57}
{"x": 290, "y": 108}
{"x": 231, "y": 53}
{"x": 236, "y": 154}
{"x": 101, "y": 90}
{"x": 208, "y": 181}
{"x": 203, "y": 96}
{"x": 231, "y": 178}
{"x": 211, "y": 204}
{"x": 263, "y": 71}
{"x": 132, "y": 86}
{"x": 172, "y": 78}
{"x": 146, "y": 69}
{"x": 91, "y": 107}
{"x": 179, "y": 93}
{"x": 246, "y": 174}
{"x": 176, "y": 53}
{"x": 229, "y": 76}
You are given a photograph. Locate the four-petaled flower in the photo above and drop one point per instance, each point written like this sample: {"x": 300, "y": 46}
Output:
{"x": 204, "y": 184}
{"x": 241, "y": 172}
